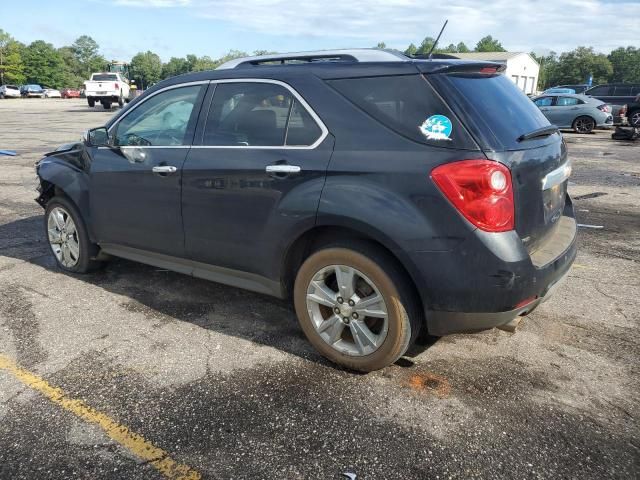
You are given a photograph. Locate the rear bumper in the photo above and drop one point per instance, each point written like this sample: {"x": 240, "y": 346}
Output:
{"x": 492, "y": 279}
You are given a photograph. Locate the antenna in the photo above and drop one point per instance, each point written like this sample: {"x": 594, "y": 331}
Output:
{"x": 437, "y": 39}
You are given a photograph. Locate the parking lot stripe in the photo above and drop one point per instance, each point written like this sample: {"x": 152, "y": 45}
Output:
{"x": 132, "y": 441}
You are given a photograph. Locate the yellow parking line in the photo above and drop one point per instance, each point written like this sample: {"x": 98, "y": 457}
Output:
{"x": 132, "y": 441}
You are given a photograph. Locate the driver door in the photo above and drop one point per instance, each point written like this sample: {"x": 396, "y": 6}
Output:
{"x": 136, "y": 183}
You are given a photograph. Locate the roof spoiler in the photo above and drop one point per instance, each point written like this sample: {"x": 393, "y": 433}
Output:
{"x": 465, "y": 66}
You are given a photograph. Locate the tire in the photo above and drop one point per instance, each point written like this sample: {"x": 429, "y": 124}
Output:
{"x": 584, "y": 124}
{"x": 77, "y": 256}
{"x": 634, "y": 118}
{"x": 91, "y": 102}
{"x": 1, "y": 96}
{"x": 403, "y": 318}
{"x": 106, "y": 104}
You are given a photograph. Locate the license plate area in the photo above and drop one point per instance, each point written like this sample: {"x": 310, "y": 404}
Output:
{"x": 553, "y": 199}
{"x": 101, "y": 93}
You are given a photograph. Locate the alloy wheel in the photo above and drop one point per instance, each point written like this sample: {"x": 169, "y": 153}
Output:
{"x": 635, "y": 119}
{"x": 584, "y": 125}
{"x": 347, "y": 310}
{"x": 63, "y": 237}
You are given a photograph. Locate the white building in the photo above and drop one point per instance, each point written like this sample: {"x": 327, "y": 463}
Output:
{"x": 521, "y": 67}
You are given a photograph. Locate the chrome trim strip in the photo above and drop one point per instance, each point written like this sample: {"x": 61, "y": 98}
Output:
{"x": 298, "y": 97}
{"x": 557, "y": 176}
{"x": 283, "y": 169}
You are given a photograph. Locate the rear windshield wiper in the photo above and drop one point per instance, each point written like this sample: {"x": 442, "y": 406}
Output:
{"x": 539, "y": 132}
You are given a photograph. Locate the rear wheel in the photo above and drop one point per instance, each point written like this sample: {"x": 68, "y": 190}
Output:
{"x": 91, "y": 102}
{"x": 106, "y": 104}
{"x": 356, "y": 307}
{"x": 584, "y": 124}
{"x": 634, "y": 118}
{"x": 68, "y": 238}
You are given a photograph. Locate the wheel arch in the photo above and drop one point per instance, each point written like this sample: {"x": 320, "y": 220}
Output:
{"x": 325, "y": 234}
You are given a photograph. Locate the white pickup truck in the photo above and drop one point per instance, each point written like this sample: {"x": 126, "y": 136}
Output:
{"x": 106, "y": 88}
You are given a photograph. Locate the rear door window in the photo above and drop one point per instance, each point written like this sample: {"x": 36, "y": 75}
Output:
{"x": 623, "y": 91}
{"x": 603, "y": 91}
{"x": 567, "y": 101}
{"x": 408, "y": 105}
{"x": 544, "y": 101}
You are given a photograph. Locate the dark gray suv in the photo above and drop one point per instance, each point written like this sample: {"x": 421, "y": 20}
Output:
{"x": 385, "y": 195}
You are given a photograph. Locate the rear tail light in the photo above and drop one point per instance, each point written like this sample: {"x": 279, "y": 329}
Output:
{"x": 117, "y": 86}
{"x": 605, "y": 108}
{"x": 481, "y": 190}
{"x": 623, "y": 111}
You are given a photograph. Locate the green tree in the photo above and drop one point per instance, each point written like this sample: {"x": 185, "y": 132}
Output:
{"x": 462, "y": 48}
{"x": 381, "y": 45}
{"x": 88, "y": 58}
{"x": 425, "y": 46}
{"x": 205, "y": 63}
{"x": 146, "y": 68}
{"x": 411, "y": 50}
{"x": 489, "y": 44}
{"x": 626, "y": 64}
{"x": 11, "y": 66}
{"x": 547, "y": 67}
{"x": 43, "y": 65}
{"x": 175, "y": 66}
{"x": 71, "y": 69}
{"x": 578, "y": 65}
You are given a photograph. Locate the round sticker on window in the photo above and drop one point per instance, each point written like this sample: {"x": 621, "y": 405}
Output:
{"x": 436, "y": 127}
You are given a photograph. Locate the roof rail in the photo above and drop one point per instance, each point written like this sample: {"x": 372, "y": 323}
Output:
{"x": 344, "y": 55}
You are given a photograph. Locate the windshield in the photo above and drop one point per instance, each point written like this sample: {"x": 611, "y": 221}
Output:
{"x": 104, "y": 77}
{"x": 492, "y": 107}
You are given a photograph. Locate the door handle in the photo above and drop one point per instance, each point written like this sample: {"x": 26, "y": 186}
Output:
{"x": 164, "y": 169}
{"x": 288, "y": 169}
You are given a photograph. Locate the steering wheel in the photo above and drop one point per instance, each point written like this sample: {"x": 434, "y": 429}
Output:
{"x": 131, "y": 139}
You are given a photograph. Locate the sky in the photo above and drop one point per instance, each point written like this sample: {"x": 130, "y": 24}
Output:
{"x": 213, "y": 27}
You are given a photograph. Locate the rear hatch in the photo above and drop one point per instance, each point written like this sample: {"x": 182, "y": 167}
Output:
{"x": 511, "y": 129}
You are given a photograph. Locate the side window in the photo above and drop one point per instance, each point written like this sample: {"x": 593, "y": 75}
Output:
{"x": 248, "y": 114}
{"x": 160, "y": 121}
{"x": 566, "y": 101}
{"x": 302, "y": 129}
{"x": 623, "y": 91}
{"x": 544, "y": 101}
{"x": 635, "y": 90}
{"x": 599, "y": 91}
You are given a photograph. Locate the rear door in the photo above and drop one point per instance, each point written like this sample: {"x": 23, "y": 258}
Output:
{"x": 498, "y": 115}
{"x": 136, "y": 184}
{"x": 255, "y": 177}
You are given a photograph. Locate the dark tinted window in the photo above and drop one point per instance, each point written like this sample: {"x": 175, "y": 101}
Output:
{"x": 544, "y": 101}
{"x": 567, "y": 101}
{"x": 602, "y": 91}
{"x": 635, "y": 90}
{"x": 301, "y": 129}
{"x": 406, "y": 104}
{"x": 249, "y": 114}
{"x": 623, "y": 91}
{"x": 492, "y": 106}
{"x": 162, "y": 120}
{"x": 104, "y": 78}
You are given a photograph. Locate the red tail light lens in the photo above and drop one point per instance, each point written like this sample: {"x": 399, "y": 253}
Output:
{"x": 481, "y": 190}
{"x": 117, "y": 86}
{"x": 623, "y": 111}
{"x": 604, "y": 107}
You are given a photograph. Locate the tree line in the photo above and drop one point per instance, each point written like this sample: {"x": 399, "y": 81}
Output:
{"x": 40, "y": 62}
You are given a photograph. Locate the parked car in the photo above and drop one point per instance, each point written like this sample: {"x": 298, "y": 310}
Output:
{"x": 581, "y": 113}
{"x": 52, "y": 93}
{"x": 70, "y": 93}
{"x": 559, "y": 90}
{"x": 371, "y": 188}
{"x": 632, "y": 112}
{"x": 9, "y": 91}
{"x": 617, "y": 95}
{"x": 106, "y": 88}
{"x": 578, "y": 88}
{"x": 27, "y": 91}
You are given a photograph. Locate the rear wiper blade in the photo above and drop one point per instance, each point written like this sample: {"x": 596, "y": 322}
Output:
{"x": 539, "y": 132}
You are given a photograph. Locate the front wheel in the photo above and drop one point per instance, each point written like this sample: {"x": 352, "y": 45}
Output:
{"x": 68, "y": 238}
{"x": 584, "y": 124}
{"x": 356, "y": 307}
{"x": 634, "y": 119}
{"x": 91, "y": 102}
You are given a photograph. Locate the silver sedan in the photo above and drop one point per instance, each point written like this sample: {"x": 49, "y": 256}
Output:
{"x": 579, "y": 112}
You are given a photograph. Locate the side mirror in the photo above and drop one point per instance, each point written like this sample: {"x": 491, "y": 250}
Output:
{"x": 97, "y": 137}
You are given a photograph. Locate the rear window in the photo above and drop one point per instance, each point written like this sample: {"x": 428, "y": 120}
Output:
{"x": 492, "y": 107}
{"x": 408, "y": 105}
{"x": 104, "y": 78}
